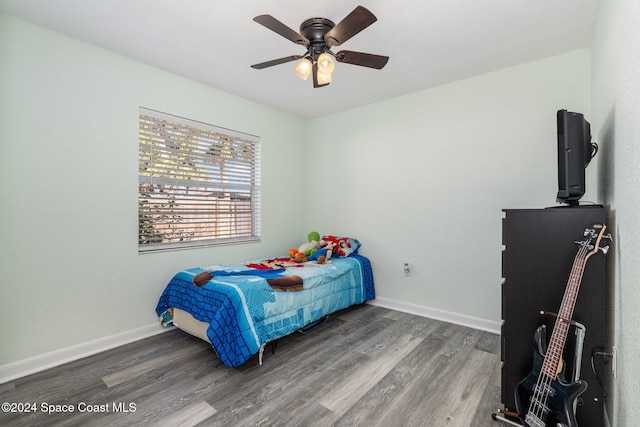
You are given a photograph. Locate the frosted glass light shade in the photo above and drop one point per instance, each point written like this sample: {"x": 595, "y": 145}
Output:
{"x": 303, "y": 69}
{"x": 322, "y": 78}
{"x": 326, "y": 64}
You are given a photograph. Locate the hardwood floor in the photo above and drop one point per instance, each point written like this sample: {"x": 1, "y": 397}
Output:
{"x": 366, "y": 366}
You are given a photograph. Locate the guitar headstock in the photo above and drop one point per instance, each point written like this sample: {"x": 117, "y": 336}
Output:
{"x": 593, "y": 240}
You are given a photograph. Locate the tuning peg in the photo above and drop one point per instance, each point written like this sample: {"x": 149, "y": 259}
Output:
{"x": 604, "y": 249}
{"x": 608, "y": 236}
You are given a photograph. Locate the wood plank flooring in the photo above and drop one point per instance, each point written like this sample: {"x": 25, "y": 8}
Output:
{"x": 366, "y": 366}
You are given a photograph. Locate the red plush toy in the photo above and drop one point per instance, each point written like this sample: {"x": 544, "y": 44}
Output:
{"x": 339, "y": 246}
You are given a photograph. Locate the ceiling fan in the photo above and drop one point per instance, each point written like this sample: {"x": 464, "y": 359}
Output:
{"x": 318, "y": 35}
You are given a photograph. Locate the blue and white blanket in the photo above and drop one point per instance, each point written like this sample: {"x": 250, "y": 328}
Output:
{"x": 244, "y": 312}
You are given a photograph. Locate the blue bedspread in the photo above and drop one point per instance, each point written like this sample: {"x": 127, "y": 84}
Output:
{"x": 244, "y": 312}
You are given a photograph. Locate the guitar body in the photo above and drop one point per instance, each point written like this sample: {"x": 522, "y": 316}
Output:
{"x": 561, "y": 397}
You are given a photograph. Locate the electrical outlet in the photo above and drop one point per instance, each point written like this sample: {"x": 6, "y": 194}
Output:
{"x": 614, "y": 361}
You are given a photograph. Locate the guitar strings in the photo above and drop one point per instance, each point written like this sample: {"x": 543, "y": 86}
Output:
{"x": 539, "y": 399}
{"x": 539, "y": 404}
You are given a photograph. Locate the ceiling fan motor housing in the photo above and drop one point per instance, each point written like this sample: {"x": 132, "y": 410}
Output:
{"x": 314, "y": 30}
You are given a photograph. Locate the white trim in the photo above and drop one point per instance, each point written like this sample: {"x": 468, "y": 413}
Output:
{"x": 22, "y": 368}
{"x": 29, "y": 366}
{"x": 435, "y": 313}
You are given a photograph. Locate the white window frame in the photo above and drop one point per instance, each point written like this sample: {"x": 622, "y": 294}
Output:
{"x": 199, "y": 184}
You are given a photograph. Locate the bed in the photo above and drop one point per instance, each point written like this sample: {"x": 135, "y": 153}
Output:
{"x": 240, "y": 308}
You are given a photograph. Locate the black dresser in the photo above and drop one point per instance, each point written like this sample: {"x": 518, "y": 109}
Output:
{"x": 537, "y": 258}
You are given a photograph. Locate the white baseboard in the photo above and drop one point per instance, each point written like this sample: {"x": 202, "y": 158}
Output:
{"x": 21, "y": 368}
{"x": 29, "y": 366}
{"x": 434, "y": 313}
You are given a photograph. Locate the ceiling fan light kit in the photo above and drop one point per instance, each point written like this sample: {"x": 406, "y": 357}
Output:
{"x": 318, "y": 35}
{"x": 303, "y": 69}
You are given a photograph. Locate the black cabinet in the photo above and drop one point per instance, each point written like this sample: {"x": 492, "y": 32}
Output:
{"x": 538, "y": 254}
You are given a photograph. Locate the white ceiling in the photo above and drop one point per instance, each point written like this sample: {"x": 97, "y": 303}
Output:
{"x": 429, "y": 42}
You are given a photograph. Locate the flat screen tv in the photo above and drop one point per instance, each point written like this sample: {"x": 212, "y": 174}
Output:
{"x": 575, "y": 151}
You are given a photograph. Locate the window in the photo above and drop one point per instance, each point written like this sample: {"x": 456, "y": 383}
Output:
{"x": 198, "y": 184}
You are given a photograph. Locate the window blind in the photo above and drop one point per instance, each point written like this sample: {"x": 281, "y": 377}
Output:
{"x": 198, "y": 184}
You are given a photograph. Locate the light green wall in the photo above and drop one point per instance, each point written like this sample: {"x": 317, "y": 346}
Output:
{"x": 71, "y": 272}
{"x": 423, "y": 178}
{"x": 616, "y": 110}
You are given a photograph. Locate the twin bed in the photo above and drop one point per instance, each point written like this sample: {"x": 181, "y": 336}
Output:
{"x": 240, "y": 308}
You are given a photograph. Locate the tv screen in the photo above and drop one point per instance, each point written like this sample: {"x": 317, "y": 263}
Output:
{"x": 575, "y": 151}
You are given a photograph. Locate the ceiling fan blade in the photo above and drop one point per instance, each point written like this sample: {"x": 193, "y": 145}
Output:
{"x": 274, "y": 25}
{"x": 278, "y": 61}
{"x": 314, "y": 71}
{"x": 359, "y": 19}
{"x": 364, "y": 59}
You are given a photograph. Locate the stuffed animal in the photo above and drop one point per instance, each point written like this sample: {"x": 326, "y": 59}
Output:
{"x": 315, "y": 249}
{"x": 300, "y": 257}
{"x": 312, "y": 245}
{"x": 328, "y": 247}
{"x": 342, "y": 246}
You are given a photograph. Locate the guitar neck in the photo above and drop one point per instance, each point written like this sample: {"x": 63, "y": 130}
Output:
{"x": 551, "y": 364}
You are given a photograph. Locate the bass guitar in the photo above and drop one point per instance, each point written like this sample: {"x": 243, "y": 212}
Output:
{"x": 543, "y": 397}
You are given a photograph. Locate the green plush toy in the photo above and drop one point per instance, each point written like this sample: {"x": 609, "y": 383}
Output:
{"x": 313, "y": 245}
{"x": 314, "y": 235}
